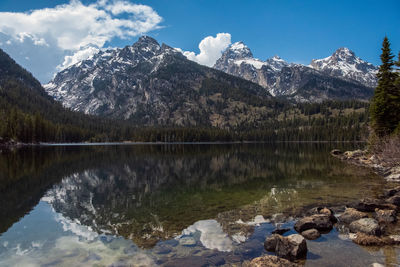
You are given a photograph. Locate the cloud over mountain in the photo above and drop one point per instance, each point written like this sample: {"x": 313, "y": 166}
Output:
{"x": 64, "y": 34}
{"x": 211, "y": 49}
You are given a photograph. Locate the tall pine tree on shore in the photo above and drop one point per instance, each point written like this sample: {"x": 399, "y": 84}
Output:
{"x": 385, "y": 103}
{"x": 397, "y": 94}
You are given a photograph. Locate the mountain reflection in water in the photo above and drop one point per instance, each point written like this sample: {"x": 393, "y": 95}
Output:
{"x": 147, "y": 200}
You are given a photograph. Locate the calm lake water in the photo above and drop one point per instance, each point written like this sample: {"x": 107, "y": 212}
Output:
{"x": 172, "y": 205}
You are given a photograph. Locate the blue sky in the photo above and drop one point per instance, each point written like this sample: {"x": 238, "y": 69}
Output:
{"x": 296, "y": 30}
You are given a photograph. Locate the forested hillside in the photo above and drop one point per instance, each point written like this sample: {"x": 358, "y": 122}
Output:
{"x": 28, "y": 114}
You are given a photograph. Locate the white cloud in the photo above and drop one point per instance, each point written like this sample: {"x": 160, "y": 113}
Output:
{"x": 74, "y": 30}
{"x": 211, "y": 49}
{"x": 82, "y": 54}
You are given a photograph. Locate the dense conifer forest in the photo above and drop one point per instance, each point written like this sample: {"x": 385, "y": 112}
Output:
{"x": 29, "y": 115}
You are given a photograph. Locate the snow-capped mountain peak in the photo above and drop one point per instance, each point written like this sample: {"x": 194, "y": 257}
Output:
{"x": 238, "y": 50}
{"x": 345, "y": 64}
{"x": 276, "y": 63}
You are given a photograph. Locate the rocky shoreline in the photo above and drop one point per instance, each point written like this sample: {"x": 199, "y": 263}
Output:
{"x": 367, "y": 222}
{"x": 390, "y": 172}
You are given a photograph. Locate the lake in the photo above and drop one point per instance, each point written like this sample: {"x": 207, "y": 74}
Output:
{"x": 173, "y": 204}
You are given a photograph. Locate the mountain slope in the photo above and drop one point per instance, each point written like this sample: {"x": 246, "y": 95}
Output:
{"x": 29, "y": 114}
{"x": 304, "y": 84}
{"x": 149, "y": 84}
{"x": 322, "y": 80}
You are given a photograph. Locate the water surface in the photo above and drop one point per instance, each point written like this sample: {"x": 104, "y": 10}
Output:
{"x": 172, "y": 205}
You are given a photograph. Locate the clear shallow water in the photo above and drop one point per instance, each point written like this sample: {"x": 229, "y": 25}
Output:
{"x": 171, "y": 205}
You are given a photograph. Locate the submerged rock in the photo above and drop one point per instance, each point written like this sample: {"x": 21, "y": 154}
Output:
{"x": 351, "y": 214}
{"x": 290, "y": 247}
{"x": 311, "y": 234}
{"x": 369, "y": 240}
{"x": 367, "y": 226}
{"x": 385, "y": 216}
{"x": 187, "y": 241}
{"x": 271, "y": 261}
{"x": 321, "y": 222}
{"x": 369, "y": 205}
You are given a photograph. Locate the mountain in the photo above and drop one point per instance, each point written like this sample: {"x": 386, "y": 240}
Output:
{"x": 238, "y": 60}
{"x": 29, "y": 114}
{"x": 303, "y": 84}
{"x": 298, "y": 82}
{"x": 343, "y": 63}
{"x": 152, "y": 84}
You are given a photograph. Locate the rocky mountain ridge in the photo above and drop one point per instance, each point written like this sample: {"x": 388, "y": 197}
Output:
{"x": 152, "y": 84}
{"x": 340, "y": 76}
{"x": 343, "y": 63}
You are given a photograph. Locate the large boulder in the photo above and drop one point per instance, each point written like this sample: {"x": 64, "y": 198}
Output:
{"x": 385, "y": 216}
{"x": 350, "y": 215}
{"x": 321, "y": 222}
{"x": 271, "y": 261}
{"x": 290, "y": 247}
{"x": 270, "y": 242}
{"x": 367, "y": 226}
{"x": 311, "y": 234}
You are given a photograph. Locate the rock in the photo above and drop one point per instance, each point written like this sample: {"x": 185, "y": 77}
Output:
{"x": 367, "y": 226}
{"x": 369, "y": 240}
{"x": 321, "y": 222}
{"x": 336, "y": 152}
{"x": 369, "y": 205}
{"x": 385, "y": 216}
{"x": 393, "y": 177}
{"x": 395, "y": 239}
{"x": 311, "y": 234}
{"x": 323, "y": 210}
{"x": 187, "y": 241}
{"x": 278, "y": 218}
{"x": 292, "y": 247}
{"x": 354, "y": 154}
{"x": 270, "y": 242}
{"x": 280, "y": 231}
{"x": 351, "y": 215}
{"x": 271, "y": 261}
{"x": 215, "y": 260}
{"x": 391, "y": 192}
{"x": 162, "y": 249}
{"x": 376, "y": 264}
{"x": 395, "y": 200}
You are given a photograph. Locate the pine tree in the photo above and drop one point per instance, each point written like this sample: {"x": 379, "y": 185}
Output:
{"x": 397, "y": 94}
{"x": 384, "y": 102}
